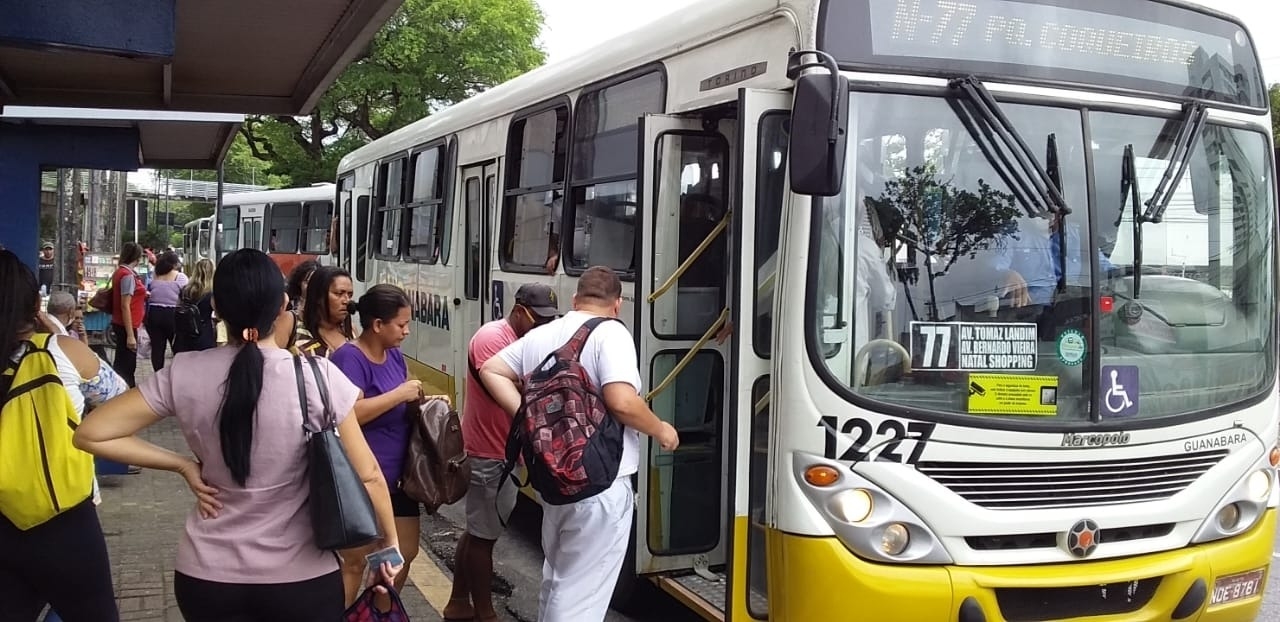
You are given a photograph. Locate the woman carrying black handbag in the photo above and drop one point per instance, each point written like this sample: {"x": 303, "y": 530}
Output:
{"x": 250, "y": 551}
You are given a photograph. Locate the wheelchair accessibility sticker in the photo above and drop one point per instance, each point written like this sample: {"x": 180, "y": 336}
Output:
{"x": 1119, "y": 390}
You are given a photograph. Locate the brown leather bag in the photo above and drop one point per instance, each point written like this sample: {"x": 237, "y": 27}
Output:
{"x": 436, "y": 471}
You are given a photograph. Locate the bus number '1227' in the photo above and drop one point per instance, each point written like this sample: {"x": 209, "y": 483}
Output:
{"x": 888, "y": 439}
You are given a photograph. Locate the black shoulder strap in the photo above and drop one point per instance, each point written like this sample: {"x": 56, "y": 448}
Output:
{"x": 302, "y": 393}
{"x": 330, "y": 418}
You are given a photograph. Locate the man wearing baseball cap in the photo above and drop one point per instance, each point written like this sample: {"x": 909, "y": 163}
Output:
{"x": 46, "y": 267}
{"x": 484, "y": 434}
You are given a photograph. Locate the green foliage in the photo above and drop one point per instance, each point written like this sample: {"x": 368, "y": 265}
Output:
{"x": 943, "y": 222}
{"x": 239, "y": 167}
{"x": 152, "y": 237}
{"x": 430, "y": 54}
{"x": 1275, "y": 112}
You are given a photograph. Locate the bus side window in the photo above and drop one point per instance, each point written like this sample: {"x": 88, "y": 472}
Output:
{"x": 391, "y": 207}
{"x": 363, "y": 213}
{"x": 285, "y": 227}
{"x": 536, "y": 151}
{"x": 471, "y": 198}
{"x": 603, "y": 182}
{"x": 426, "y": 205}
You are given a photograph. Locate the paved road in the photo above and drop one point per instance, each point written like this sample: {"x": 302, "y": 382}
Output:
{"x": 518, "y": 566}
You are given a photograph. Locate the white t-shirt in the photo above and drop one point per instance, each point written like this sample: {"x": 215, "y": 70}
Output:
{"x": 609, "y": 356}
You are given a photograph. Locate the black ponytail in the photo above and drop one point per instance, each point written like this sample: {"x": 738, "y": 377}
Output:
{"x": 17, "y": 304}
{"x": 381, "y": 302}
{"x": 248, "y": 290}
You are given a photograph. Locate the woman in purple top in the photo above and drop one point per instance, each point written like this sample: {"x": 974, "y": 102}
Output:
{"x": 374, "y": 363}
{"x": 248, "y": 552}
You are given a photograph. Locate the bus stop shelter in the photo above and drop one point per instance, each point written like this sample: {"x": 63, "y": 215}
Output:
{"x": 159, "y": 83}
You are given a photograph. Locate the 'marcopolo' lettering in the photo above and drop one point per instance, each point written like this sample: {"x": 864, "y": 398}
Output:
{"x": 1097, "y": 439}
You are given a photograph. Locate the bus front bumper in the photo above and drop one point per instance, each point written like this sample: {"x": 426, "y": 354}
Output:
{"x": 819, "y": 579}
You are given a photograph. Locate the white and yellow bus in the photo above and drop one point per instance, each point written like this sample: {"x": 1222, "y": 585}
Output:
{"x": 197, "y": 240}
{"x": 964, "y": 309}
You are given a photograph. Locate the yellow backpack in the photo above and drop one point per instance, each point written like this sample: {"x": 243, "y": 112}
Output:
{"x": 41, "y": 473}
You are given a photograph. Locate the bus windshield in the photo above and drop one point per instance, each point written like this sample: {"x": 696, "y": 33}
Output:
{"x": 939, "y": 289}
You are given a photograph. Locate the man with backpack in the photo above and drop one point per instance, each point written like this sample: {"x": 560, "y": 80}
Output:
{"x": 485, "y": 428}
{"x": 573, "y": 388}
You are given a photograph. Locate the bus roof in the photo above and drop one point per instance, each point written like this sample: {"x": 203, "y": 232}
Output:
{"x": 315, "y": 192}
{"x": 680, "y": 31}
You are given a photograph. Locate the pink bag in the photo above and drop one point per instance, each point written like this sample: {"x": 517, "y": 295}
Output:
{"x": 364, "y": 610}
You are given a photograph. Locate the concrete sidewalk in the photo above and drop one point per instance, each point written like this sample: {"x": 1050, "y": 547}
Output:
{"x": 143, "y": 516}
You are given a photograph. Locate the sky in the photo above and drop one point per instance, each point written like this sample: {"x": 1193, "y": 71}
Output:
{"x": 573, "y": 26}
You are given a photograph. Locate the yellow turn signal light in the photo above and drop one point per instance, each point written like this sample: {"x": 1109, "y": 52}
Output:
{"x": 821, "y": 475}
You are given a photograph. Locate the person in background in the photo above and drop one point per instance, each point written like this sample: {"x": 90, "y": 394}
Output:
{"x": 296, "y": 288}
{"x": 484, "y": 433}
{"x": 199, "y": 292}
{"x": 129, "y": 302}
{"x": 165, "y": 293}
{"x": 374, "y": 363}
{"x": 64, "y": 317}
{"x": 326, "y": 313}
{"x": 46, "y": 268}
{"x": 62, "y": 562}
{"x": 248, "y": 551}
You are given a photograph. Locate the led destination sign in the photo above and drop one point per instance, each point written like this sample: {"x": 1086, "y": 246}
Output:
{"x": 1132, "y": 45}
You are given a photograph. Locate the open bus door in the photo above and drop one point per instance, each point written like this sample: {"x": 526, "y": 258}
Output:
{"x": 704, "y": 310}
{"x": 681, "y": 305}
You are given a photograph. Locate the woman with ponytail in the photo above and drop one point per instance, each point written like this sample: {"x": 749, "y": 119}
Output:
{"x": 249, "y": 551}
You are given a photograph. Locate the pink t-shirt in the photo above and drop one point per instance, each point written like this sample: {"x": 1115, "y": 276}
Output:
{"x": 484, "y": 424}
{"x": 263, "y": 533}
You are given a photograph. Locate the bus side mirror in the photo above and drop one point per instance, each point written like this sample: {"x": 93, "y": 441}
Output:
{"x": 819, "y": 127}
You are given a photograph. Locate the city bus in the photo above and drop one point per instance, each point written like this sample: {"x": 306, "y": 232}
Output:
{"x": 964, "y": 310}
{"x": 291, "y": 225}
{"x": 197, "y": 240}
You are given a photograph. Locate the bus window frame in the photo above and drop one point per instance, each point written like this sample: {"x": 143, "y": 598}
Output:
{"x": 274, "y": 229}
{"x": 569, "y": 213}
{"x": 222, "y": 229}
{"x": 442, "y": 202}
{"x": 473, "y": 226}
{"x": 382, "y": 205}
{"x": 345, "y": 252}
{"x": 511, "y": 191}
{"x": 304, "y": 236}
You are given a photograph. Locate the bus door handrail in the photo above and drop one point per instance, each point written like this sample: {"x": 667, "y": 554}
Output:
{"x": 688, "y": 357}
{"x": 697, "y": 252}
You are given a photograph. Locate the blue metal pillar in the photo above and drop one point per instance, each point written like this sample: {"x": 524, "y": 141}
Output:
{"x": 26, "y": 149}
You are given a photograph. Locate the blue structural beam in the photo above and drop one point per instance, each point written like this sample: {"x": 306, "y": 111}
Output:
{"x": 26, "y": 149}
{"x": 132, "y": 28}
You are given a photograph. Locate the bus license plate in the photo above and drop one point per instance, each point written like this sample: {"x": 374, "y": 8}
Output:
{"x": 1237, "y": 586}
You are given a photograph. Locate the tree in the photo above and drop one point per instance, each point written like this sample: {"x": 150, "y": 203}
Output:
{"x": 239, "y": 167}
{"x": 1275, "y": 112}
{"x": 944, "y": 223}
{"x": 430, "y": 54}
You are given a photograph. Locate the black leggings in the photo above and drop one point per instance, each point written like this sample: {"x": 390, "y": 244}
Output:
{"x": 161, "y": 329}
{"x": 126, "y": 361}
{"x": 62, "y": 562}
{"x": 314, "y": 600}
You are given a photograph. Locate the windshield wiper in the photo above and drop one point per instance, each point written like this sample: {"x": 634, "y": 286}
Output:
{"x": 1179, "y": 159}
{"x": 1129, "y": 192}
{"x": 1043, "y": 192}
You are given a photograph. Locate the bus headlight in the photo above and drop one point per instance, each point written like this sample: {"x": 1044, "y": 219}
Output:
{"x": 1259, "y": 485}
{"x": 895, "y": 539}
{"x": 868, "y": 520}
{"x": 1239, "y": 509}
{"x": 851, "y": 506}
{"x": 1229, "y": 517}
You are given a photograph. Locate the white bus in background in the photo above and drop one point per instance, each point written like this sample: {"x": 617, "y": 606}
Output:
{"x": 197, "y": 240}
{"x": 835, "y": 223}
{"x": 291, "y": 225}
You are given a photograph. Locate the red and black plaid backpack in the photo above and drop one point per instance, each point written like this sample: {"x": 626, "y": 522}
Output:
{"x": 572, "y": 446}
